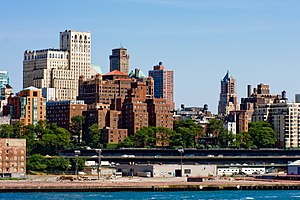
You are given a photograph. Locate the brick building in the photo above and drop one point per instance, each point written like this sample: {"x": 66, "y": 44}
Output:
{"x": 28, "y": 106}
{"x": 107, "y": 120}
{"x": 159, "y": 112}
{"x": 134, "y": 107}
{"x": 61, "y": 112}
{"x": 259, "y": 96}
{"x": 12, "y": 158}
{"x": 163, "y": 83}
{"x": 134, "y": 114}
{"x": 240, "y": 117}
{"x": 119, "y": 60}
{"x": 104, "y": 88}
{"x": 141, "y": 109}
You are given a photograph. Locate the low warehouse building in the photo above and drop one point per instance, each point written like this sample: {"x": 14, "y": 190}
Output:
{"x": 157, "y": 170}
{"x": 294, "y": 168}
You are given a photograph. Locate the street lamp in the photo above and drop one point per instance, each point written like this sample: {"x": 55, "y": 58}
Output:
{"x": 77, "y": 152}
{"x": 181, "y": 151}
{"x": 99, "y": 151}
{"x": 131, "y": 168}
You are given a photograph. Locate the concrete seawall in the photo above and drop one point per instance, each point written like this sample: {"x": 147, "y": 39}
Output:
{"x": 83, "y": 187}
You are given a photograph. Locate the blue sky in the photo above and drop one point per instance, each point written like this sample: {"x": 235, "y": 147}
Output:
{"x": 257, "y": 40}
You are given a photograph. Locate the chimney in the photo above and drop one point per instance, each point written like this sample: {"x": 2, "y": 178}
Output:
{"x": 249, "y": 90}
{"x": 283, "y": 95}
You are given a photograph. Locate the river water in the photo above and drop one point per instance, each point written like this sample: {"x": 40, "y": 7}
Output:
{"x": 223, "y": 194}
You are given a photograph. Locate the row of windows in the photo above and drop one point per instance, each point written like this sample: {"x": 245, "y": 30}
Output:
{"x": 43, "y": 56}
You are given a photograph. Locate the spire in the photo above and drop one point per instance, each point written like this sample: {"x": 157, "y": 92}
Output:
{"x": 227, "y": 76}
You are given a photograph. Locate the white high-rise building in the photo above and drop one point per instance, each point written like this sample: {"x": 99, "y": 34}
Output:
{"x": 285, "y": 119}
{"x": 60, "y": 68}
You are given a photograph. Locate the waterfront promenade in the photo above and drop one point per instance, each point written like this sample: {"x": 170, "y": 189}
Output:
{"x": 50, "y": 183}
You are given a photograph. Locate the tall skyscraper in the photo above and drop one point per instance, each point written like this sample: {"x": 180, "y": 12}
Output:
{"x": 163, "y": 83}
{"x": 228, "y": 96}
{"x": 60, "y": 68}
{"x": 4, "y": 80}
{"x": 119, "y": 60}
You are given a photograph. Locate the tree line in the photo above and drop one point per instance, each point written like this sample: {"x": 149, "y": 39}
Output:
{"x": 188, "y": 134}
{"x": 44, "y": 139}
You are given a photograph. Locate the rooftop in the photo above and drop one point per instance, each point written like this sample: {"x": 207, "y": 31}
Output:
{"x": 115, "y": 73}
{"x": 31, "y": 88}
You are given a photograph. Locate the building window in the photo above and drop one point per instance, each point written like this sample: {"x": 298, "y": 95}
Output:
{"x": 187, "y": 171}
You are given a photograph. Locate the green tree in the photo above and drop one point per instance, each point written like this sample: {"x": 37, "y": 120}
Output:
{"x": 6, "y": 131}
{"x": 76, "y": 128}
{"x": 127, "y": 142}
{"x": 58, "y": 164}
{"x": 188, "y": 137}
{"x": 42, "y": 127}
{"x": 186, "y": 131}
{"x": 145, "y": 137}
{"x": 215, "y": 127}
{"x": 222, "y": 138}
{"x": 36, "y": 162}
{"x": 17, "y": 127}
{"x": 29, "y": 134}
{"x": 243, "y": 140}
{"x": 80, "y": 162}
{"x": 93, "y": 137}
{"x": 52, "y": 143}
{"x": 163, "y": 136}
{"x": 262, "y": 134}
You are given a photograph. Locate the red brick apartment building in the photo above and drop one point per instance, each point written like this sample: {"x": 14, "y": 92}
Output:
{"x": 62, "y": 112}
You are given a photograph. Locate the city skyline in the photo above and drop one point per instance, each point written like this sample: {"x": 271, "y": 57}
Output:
{"x": 199, "y": 40}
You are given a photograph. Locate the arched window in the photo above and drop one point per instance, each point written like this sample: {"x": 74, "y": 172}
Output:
{"x": 75, "y": 37}
{"x": 80, "y": 37}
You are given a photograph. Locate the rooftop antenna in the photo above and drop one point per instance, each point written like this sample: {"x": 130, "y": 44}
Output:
{"x": 121, "y": 45}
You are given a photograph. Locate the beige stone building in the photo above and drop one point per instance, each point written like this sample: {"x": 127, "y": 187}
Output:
{"x": 60, "y": 68}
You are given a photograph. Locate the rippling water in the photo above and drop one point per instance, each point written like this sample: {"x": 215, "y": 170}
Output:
{"x": 229, "y": 195}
